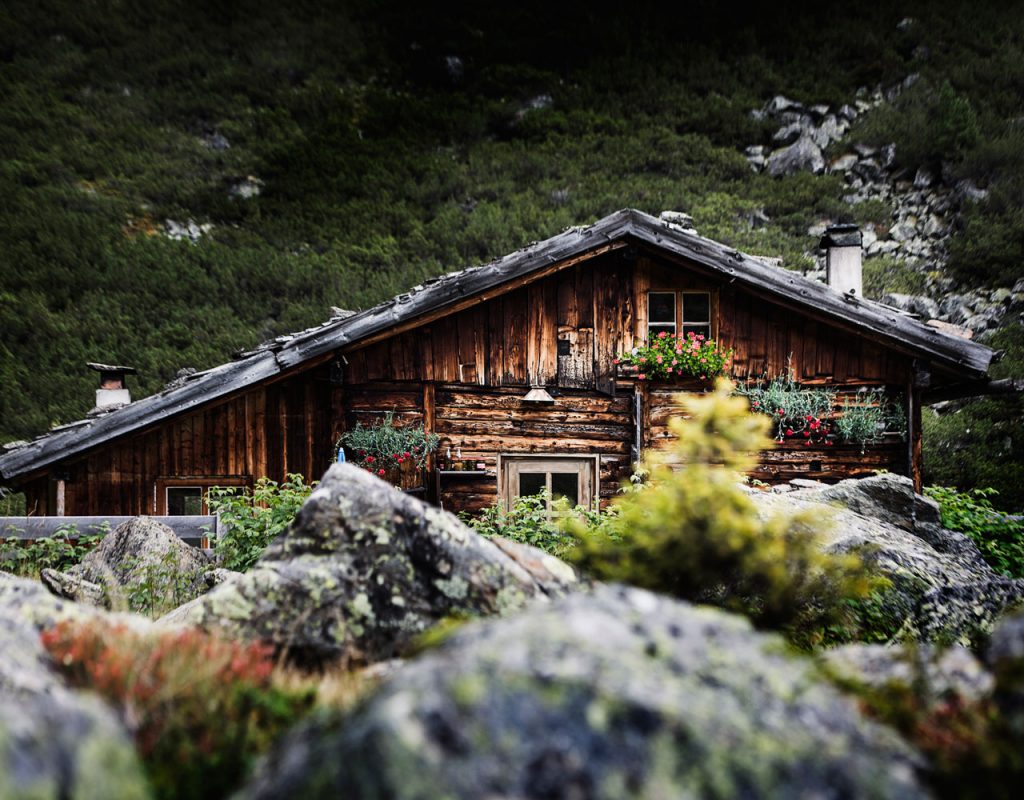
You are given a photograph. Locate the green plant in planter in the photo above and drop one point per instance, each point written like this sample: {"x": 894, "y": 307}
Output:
{"x": 667, "y": 357}
{"x": 809, "y": 415}
{"x": 796, "y": 413}
{"x": 870, "y": 418}
{"x": 386, "y": 446}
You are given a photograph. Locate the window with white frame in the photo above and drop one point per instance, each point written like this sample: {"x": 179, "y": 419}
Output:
{"x": 571, "y": 477}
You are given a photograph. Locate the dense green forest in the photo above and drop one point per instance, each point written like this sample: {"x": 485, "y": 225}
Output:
{"x": 333, "y": 154}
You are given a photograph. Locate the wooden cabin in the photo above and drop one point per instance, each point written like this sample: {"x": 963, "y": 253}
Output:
{"x": 461, "y": 352}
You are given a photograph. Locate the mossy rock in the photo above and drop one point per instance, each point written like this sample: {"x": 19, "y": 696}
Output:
{"x": 618, "y": 693}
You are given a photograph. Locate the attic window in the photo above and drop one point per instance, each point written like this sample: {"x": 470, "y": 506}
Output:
{"x": 683, "y": 312}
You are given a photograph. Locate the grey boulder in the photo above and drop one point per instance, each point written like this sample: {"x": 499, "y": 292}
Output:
{"x": 610, "y": 694}
{"x": 801, "y": 156}
{"x": 364, "y": 569}
{"x": 942, "y": 589}
{"x": 54, "y": 742}
{"x": 140, "y": 562}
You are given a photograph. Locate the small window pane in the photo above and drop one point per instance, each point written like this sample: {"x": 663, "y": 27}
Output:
{"x": 654, "y": 330}
{"x": 704, "y": 330}
{"x": 532, "y": 483}
{"x": 696, "y": 307}
{"x": 567, "y": 485}
{"x": 661, "y": 307}
{"x": 184, "y": 501}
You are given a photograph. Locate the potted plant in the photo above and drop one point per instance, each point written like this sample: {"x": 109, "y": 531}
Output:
{"x": 668, "y": 357}
{"x": 396, "y": 453}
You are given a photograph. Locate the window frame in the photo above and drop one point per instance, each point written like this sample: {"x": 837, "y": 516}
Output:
{"x": 202, "y": 482}
{"x": 587, "y": 466}
{"x": 681, "y": 323}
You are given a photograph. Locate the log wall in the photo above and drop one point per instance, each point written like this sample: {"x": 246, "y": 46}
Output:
{"x": 270, "y": 430}
{"x": 464, "y": 374}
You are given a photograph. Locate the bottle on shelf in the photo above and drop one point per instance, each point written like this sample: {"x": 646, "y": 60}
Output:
{"x": 448, "y": 458}
{"x": 458, "y": 458}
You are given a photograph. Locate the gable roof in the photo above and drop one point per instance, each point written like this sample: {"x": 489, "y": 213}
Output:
{"x": 967, "y": 359}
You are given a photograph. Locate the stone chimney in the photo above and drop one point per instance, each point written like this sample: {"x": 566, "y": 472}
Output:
{"x": 113, "y": 391}
{"x": 842, "y": 244}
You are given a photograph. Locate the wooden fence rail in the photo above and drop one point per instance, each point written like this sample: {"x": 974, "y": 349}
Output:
{"x": 191, "y": 529}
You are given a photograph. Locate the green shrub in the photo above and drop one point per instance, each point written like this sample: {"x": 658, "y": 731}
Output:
{"x": 251, "y": 518}
{"x": 999, "y": 536}
{"x": 534, "y": 520}
{"x": 200, "y": 708}
{"x": 886, "y": 274}
{"x": 28, "y": 557}
{"x": 928, "y": 125}
{"x": 694, "y": 533}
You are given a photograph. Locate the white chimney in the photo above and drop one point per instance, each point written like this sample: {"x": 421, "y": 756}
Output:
{"x": 842, "y": 245}
{"x": 113, "y": 391}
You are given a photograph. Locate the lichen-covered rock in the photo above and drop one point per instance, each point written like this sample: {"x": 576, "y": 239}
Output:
{"x": 140, "y": 555}
{"x": 932, "y": 673}
{"x": 1005, "y": 657}
{"x": 73, "y": 587}
{"x": 363, "y": 569}
{"x": 942, "y": 588}
{"x": 54, "y": 742}
{"x": 28, "y": 602}
{"x": 606, "y": 694}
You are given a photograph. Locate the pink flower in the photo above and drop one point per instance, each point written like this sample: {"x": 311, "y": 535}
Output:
{"x": 370, "y": 459}
{"x": 679, "y": 349}
{"x": 615, "y": 361}
{"x": 789, "y": 431}
{"x": 380, "y": 472}
{"x": 641, "y": 376}
{"x": 662, "y": 335}
{"x": 643, "y": 359}
{"x": 659, "y": 359}
{"x": 675, "y": 361}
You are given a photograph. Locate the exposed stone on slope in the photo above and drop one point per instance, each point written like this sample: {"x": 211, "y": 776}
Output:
{"x": 608, "y": 694}
{"x": 942, "y": 588}
{"x": 801, "y": 156}
{"x": 138, "y": 555}
{"x": 365, "y": 568}
{"x": 54, "y": 742}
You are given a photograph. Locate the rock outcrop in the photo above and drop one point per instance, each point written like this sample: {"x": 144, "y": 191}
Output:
{"x": 942, "y": 589}
{"x": 363, "y": 569}
{"x": 138, "y": 556}
{"x": 604, "y": 694}
{"x": 932, "y": 673}
{"x": 926, "y": 206}
{"x": 54, "y": 742}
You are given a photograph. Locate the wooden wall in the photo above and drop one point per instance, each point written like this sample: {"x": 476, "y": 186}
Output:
{"x": 464, "y": 375}
{"x": 270, "y": 430}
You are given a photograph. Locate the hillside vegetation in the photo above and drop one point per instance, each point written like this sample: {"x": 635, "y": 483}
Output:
{"x": 336, "y": 153}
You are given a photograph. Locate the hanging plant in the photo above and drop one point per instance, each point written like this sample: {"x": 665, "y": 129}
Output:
{"x": 385, "y": 447}
{"x": 666, "y": 357}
